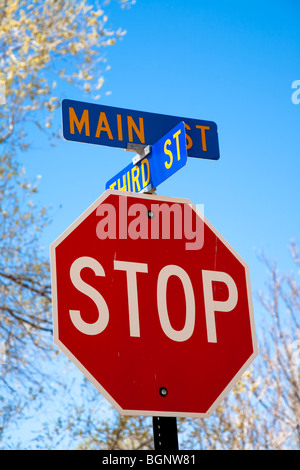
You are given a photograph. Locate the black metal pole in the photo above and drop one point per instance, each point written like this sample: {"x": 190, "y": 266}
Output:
{"x": 165, "y": 433}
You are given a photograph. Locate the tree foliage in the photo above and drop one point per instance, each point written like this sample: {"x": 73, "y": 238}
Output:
{"x": 42, "y": 42}
{"x": 43, "y": 45}
{"x": 25, "y": 319}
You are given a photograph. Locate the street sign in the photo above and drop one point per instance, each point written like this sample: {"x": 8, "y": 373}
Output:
{"x": 118, "y": 127}
{"x": 152, "y": 305}
{"x": 165, "y": 157}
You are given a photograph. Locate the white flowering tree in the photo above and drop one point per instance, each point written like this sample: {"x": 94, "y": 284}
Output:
{"x": 43, "y": 44}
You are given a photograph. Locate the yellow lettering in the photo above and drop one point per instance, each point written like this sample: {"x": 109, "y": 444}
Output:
{"x": 103, "y": 126}
{"x": 120, "y": 130}
{"x": 123, "y": 188}
{"x": 176, "y": 136}
{"x": 112, "y": 186}
{"x": 135, "y": 179}
{"x": 189, "y": 142}
{"x": 203, "y": 136}
{"x": 168, "y": 152}
{"x": 83, "y": 121}
{"x": 128, "y": 180}
{"x": 139, "y": 131}
{"x": 145, "y": 181}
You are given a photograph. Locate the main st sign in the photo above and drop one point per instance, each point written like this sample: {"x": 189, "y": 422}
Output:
{"x": 152, "y": 305}
{"x": 118, "y": 127}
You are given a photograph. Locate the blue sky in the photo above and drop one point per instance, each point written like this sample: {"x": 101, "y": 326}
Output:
{"x": 230, "y": 62}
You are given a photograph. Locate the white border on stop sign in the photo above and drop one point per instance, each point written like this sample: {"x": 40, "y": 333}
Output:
{"x": 76, "y": 362}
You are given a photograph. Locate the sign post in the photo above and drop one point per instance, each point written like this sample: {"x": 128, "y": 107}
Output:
{"x": 165, "y": 433}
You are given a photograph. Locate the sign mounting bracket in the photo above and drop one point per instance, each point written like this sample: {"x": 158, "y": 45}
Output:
{"x": 141, "y": 150}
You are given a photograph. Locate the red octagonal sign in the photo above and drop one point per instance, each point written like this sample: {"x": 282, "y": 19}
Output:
{"x": 152, "y": 305}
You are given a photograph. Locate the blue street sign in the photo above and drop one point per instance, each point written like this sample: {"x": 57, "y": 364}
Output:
{"x": 117, "y": 127}
{"x": 166, "y": 157}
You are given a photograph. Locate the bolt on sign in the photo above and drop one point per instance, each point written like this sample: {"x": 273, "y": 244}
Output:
{"x": 152, "y": 304}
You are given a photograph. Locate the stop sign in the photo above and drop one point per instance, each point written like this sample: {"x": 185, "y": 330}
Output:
{"x": 152, "y": 305}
